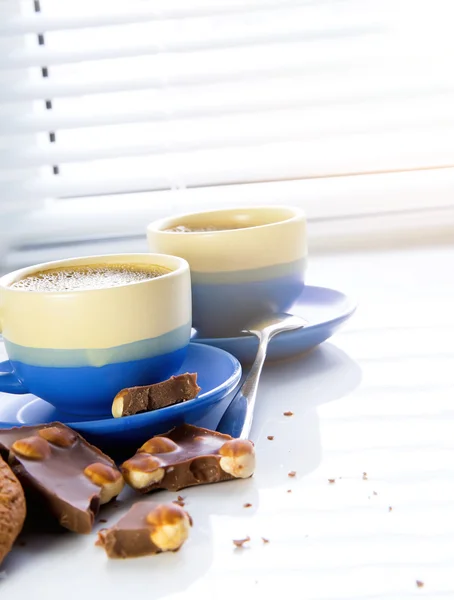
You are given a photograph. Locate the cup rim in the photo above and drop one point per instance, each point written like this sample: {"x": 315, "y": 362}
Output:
{"x": 8, "y": 278}
{"x": 156, "y": 226}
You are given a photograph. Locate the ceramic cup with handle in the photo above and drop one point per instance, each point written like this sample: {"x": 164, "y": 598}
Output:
{"x": 77, "y": 349}
{"x": 245, "y": 262}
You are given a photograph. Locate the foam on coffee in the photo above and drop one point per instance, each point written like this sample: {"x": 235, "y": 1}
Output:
{"x": 87, "y": 277}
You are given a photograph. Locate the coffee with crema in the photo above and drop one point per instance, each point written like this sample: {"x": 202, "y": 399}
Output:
{"x": 87, "y": 277}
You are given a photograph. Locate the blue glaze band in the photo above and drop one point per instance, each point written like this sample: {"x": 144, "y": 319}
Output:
{"x": 280, "y": 271}
{"x": 99, "y": 357}
{"x": 225, "y": 309}
{"x": 95, "y": 387}
{"x": 218, "y": 373}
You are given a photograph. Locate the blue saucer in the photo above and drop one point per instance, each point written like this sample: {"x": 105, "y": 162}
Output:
{"x": 218, "y": 373}
{"x": 325, "y": 310}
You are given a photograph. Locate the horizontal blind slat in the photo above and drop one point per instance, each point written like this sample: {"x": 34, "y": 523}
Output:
{"x": 392, "y": 151}
{"x": 222, "y": 132}
{"x": 275, "y": 27}
{"x": 226, "y": 62}
{"x": 21, "y": 59}
{"x": 260, "y": 97}
{"x": 411, "y": 81}
{"x": 131, "y": 12}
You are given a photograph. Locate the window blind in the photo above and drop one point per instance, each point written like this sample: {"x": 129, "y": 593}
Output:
{"x": 105, "y": 97}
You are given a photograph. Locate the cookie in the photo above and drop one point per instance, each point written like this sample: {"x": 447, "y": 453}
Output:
{"x": 12, "y": 509}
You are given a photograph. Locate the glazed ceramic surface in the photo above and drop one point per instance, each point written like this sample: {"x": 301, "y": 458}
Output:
{"x": 77, "y": 349}
{"x": 255, "y": 268}
{"x": 325, "y": 310}
{"x": 218, "y": 373}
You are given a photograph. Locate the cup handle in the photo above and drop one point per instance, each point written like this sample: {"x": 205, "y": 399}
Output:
{"x": 8, "y": 380}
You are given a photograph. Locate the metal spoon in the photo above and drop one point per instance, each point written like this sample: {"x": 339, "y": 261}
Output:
{"x": 237, "y": 419}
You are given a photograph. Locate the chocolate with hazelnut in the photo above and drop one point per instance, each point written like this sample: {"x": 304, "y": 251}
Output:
{"x": 62, "y": 471}
{"x": 187, "y": 456}
{"x": 147, "y": 528}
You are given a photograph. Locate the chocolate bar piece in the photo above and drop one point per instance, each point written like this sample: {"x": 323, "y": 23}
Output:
{"x": 147, "y": 528}
{"x": 186, "y": 456}
{"x": 63, "y": 471}
{"x": 178, "y": 388}
{"x": 12, "y": 509}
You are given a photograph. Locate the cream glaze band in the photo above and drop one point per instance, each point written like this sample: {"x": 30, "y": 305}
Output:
{"x": 277, "y": 238}
{"x": 97, "y": 319}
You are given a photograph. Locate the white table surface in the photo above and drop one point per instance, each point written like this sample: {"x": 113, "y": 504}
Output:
{"x": 378, "y": 398}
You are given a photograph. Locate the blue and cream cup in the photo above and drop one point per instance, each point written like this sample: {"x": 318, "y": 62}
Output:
{"x": 78, "y": 349}
{"x": 245, "y": 262}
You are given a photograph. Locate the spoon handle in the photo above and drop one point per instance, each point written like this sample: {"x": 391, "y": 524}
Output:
{"x": 237, "y": 419}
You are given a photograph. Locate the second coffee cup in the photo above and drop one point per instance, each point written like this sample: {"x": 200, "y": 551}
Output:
{"x": 245, "y": 262}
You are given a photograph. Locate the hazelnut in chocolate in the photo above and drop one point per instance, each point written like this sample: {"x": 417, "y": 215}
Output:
{"x": 187, "y": 456}
{"x": 147, "y": 528}
{"x": 178, "y": 388}
{"x": 68, "y": 475}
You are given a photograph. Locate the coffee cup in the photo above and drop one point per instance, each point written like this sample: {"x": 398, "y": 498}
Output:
{"x": 77, "y": 348}
{"x": 245, "y": 262}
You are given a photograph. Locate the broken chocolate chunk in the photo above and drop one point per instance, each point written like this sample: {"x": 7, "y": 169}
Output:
{"x": 240, "y": 543}
{"x": 179, "y": 388}
{"x": 60, "y": 470}
{"x": 147, "y": 528}
{"x": 187, "y": 456}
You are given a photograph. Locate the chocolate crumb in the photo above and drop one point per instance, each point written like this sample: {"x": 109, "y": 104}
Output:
{"x": 270, "y": 437}
{"x": 419, "y": 583}
{"x": 288, "y": 413}
{"x": 103, "y": 520}
{"x": 375, "y": 493}
{"x": 247, "y": 505}
{"x": 179, "y": 502}
{"x": 331, "y": 481}
{"x": 289, "y": 491}
{"x": 240, "y": 543}
{"x": 364, "y": 476}
{"x": 390, "y": 509}
{"x": 180, "y": 498}
{"x": 265, "y": 541}
{"x": 292, "y": 474}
